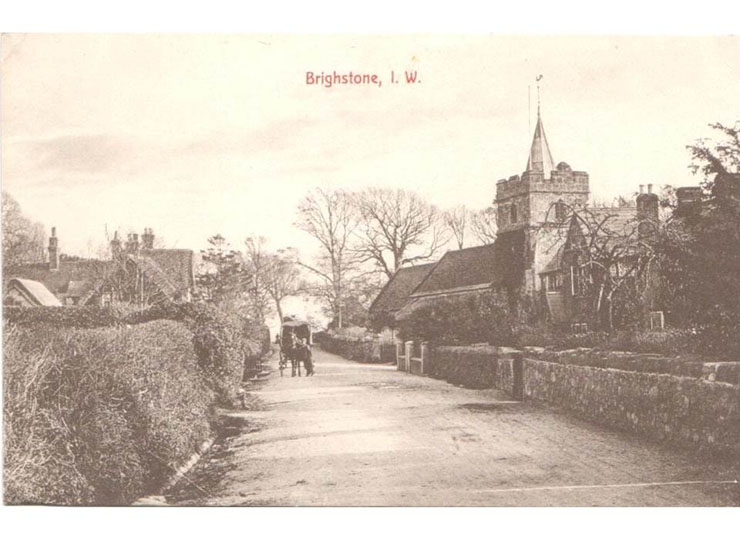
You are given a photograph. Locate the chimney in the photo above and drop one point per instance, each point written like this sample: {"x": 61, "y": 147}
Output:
{"x": 53, "y": 250}
{"x": 648, "y": 212}
{"x": 147, "y": 238}
{"x": 115, "y": 246}
{"x": 132, "y": 245}
{"x": 642, "y": 189}
{"x": 688, "y": 201}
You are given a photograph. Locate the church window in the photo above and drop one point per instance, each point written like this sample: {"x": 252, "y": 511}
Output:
{"x": 513, "y": 213}
{"x": 560, "y": 211}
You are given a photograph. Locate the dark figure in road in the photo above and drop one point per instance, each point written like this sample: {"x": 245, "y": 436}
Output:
{"x": 306, "y": 356}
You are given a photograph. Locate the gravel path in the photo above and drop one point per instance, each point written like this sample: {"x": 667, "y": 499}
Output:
{"x": 358, "y": 434}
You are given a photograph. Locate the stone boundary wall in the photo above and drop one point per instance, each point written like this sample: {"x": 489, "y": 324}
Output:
{"x": 728, "y": 372}
{"x": 698, "y": 411}
{"x": 474, "y": 367}
{"x": 358, "y": 350}
{"x": 685, "y": 410}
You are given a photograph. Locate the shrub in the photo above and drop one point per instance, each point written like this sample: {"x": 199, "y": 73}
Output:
{"x": 485, "y": 317}
{"x": 99, "y": 416}
{"x": 77, "y": 316}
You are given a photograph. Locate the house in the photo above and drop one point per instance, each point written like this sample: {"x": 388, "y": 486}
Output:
{"x": 137, "y": 273}
{"x": 605, "y": 246}
{"x": 27, "y": 292}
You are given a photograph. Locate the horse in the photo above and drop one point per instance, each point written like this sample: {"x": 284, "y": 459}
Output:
{"x": 299, "y": 352}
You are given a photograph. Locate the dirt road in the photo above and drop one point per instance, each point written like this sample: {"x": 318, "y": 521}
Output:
{"x": 367, "y": 435}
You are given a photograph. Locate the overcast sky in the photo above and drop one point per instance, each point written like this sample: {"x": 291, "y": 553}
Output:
{"x": 197, "y": 135}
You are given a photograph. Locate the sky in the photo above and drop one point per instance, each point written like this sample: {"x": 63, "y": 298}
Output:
{"x": 195, "y": 135}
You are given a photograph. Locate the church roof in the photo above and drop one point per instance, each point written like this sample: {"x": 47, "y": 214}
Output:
{"x": 395, "y": 293}
{"x": 499, "y": 264}
{"x": 540, "y": 158}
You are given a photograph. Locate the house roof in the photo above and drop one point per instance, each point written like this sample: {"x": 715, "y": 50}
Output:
{"x": 177, "y": 264}
{"x": 170, "y": 269}
{"x": 396, "y": 291}
{"x": 499, "y": 264}
{"x": 611, "y": 227}
{"x": 606, "y": 228}
{"x": 37, "y": 291}
{"x": 72, "y": 278}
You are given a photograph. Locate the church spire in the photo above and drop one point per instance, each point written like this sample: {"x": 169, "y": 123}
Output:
{"x": 540, "y": 159}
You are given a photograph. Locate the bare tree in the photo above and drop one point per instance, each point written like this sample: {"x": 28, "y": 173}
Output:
{"x": 258, "y": 263}
{"x": 607, "y": 257}
{"x": 282, "y": 278}
{"x": 23, "y": 240}
{"x": 330, "y": 217}
{"x": 398, "y": 227}
{"x": 458, "y": 220}
{"x": 483, "y": 225}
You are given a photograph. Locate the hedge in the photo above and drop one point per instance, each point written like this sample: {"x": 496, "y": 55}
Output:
{"x": 99, "y": 416}
{"x": 227, "y": 345}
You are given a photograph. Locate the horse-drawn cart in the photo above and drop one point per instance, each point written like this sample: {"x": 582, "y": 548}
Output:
{"x": 294, "y": 334}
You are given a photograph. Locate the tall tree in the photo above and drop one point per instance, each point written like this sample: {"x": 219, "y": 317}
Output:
{"x": 483, "y": 225}
{"x": 458, "y": 220}
{"x": 398, "y": 227}
{"x": 257, "y": 263}
{"x": 700, "y": 250}
{"x": 276, "y": 276}
{"x": 23, "y": 240}
{"x": 330, "y": 217}
{"x": 222, "y": 275}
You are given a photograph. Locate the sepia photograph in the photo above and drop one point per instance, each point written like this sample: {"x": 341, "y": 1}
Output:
{"x": 365, "y": 270}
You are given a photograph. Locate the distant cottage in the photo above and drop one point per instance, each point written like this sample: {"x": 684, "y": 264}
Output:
{"x": 137, "y": 273}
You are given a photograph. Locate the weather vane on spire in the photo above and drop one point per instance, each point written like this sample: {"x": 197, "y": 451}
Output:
{"x": 529, "y": 101}
{"x": 537, "y": 80}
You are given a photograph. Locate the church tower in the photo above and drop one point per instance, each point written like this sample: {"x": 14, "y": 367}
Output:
{"x": 531, "y": 207}
{"x": 527, "y": 201}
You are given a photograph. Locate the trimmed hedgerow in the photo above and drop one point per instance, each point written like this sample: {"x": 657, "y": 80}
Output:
{"x": 77, "y": 316}
{"x": 227, "y": 345}
{"x": 99, "y": 416}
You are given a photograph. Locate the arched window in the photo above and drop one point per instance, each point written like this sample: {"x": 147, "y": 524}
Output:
{"x": 513, "y": 213}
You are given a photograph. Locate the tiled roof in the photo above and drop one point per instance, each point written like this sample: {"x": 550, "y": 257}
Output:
{"x": 396, "y": 292}
{"x": 83, "y": 275}
{"x": 177, "y": 264}
{"x": 499, "y": 264}
{"x": 170, "y": 269}
{"x": 612, "y": 227}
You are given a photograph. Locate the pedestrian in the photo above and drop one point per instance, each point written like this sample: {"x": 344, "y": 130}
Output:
{"x": 307, "y": 359}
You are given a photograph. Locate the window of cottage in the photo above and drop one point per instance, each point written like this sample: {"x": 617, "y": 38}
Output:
{"x": 577, "y": 281}
{"x": 554, "y": 282}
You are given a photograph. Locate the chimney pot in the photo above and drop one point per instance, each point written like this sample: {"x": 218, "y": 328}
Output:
{"x": 650, "y": 188}
{"x": 642, "y": 189}
{"x": 53, "y": 250}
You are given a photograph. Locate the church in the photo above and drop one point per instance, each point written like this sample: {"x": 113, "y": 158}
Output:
{"x": 544, "y": 224}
